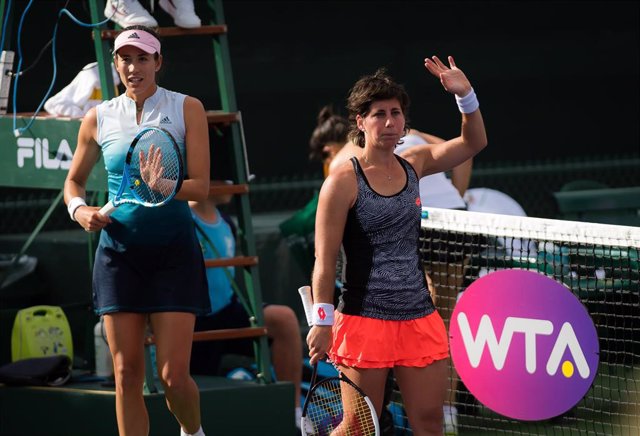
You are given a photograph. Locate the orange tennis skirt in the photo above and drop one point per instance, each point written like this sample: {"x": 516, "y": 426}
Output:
{"x": 376, "y": 343}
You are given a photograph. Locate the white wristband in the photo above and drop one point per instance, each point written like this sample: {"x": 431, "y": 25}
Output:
{"x": 74, "y": 204}
{"x": 468, "y": 103}
{"x": 322, "y": 314}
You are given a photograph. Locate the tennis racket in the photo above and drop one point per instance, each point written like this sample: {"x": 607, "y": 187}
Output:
{"x": 152, "y": 173}
{"x": 335, "y": 405}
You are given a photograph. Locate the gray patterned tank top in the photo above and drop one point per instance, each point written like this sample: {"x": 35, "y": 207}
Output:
{"x": 383, "y": 273}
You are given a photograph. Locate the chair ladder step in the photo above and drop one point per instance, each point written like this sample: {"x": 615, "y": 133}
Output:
{"x": 231, "y": 261}
{"x": 222, "y": 117}
{"x": 221, "y": 334}
{"x": 217, "y": 29}
{"x": 229, "y": 189}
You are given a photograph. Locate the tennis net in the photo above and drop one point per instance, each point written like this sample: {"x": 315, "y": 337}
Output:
{"x": 599, "y": 263}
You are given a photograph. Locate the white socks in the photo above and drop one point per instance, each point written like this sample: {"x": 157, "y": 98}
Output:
{"x": 198, "y": 433}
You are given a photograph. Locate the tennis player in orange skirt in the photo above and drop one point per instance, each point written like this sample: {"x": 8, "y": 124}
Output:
{"x": 371, "y": 206}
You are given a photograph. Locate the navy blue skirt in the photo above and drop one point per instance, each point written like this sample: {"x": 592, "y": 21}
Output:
{"x": 150, "y": 278}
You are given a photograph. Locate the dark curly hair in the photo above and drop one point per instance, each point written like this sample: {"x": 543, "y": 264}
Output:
{"x": 330, "y": 128}
{"x": 371, "y": 88}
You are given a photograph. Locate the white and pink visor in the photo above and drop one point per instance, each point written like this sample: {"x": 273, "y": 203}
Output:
{"x": 137, "y": 38}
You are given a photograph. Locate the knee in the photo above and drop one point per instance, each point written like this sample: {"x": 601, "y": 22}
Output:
{"x": 281, "y": 320}
{"x": 174, "y": 378}
{"x": 429, "y": 419}
{"x": 129, "y": 377}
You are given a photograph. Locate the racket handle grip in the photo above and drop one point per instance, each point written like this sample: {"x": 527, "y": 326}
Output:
{"x": 107, "y": 209}
{"x": 307, "y": 302}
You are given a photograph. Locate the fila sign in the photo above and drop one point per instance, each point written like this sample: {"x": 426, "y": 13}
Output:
{"x": 523, "y": 344}
{"x": 37, "y": 150}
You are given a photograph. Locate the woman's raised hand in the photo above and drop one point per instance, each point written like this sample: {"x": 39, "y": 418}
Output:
{"x": 452, "y": 78}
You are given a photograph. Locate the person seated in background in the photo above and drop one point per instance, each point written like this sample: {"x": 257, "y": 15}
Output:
{"x": 328, "y": 138}
{"x": 217, "y": 235}
{"x": 127, "y": 13}
{"x": 329, "y": 143}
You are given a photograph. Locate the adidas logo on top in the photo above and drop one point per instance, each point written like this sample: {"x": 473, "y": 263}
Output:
{"x": 165, "y": 120}
{"x": 134, "y": 35}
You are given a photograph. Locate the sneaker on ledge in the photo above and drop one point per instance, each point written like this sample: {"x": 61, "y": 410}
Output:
{"x": 182, "y": 11}
{"x": 127, "y": 13}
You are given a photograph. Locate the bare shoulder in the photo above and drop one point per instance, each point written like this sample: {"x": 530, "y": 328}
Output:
{"x": 194, "y": 114}
{"x": 341, "y": 185}
{"x": 347, "y": 152}
{"x": 91, "y": 117}
{"x": 89, "y": 126}
{"x": 343, "y": 171}
{"x": 192, "y": 104}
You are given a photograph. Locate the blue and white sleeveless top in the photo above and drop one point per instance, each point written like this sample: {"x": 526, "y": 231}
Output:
{"x": 384, "y": 278}
{"x": 221, "y": 236}
{"x": 117, "y": 127}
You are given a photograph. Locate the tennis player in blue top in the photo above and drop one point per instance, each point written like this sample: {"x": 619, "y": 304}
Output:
{"x": 148, "y": 267}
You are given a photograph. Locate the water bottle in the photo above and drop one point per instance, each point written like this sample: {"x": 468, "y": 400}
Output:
{"x": 104, "y": 364}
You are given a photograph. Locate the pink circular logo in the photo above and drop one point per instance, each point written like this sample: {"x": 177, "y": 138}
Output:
{"x": 523, "y": 344}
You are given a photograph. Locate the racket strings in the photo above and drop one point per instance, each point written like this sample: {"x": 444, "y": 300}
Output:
{"x": 325, "y": 414}
{"x": 155, "y": 168}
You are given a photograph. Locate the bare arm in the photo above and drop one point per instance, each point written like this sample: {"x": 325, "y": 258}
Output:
{"x": 337, "y": 194}
{"x": 196, "y": 187}
{"x": 85, "y": 157}
{"x": 461, "y": 174}
{"x": 434, "y": 158}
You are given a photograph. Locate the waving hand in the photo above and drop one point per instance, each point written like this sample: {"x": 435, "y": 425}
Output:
{"x": 452, "y": 78}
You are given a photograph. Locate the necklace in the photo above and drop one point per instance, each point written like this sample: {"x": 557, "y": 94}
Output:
{"x": 139, "y": 108}
{"x": 364, "y": 156}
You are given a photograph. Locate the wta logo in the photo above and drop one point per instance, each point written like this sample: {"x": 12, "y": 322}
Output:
{"x": 523, "y": 345}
